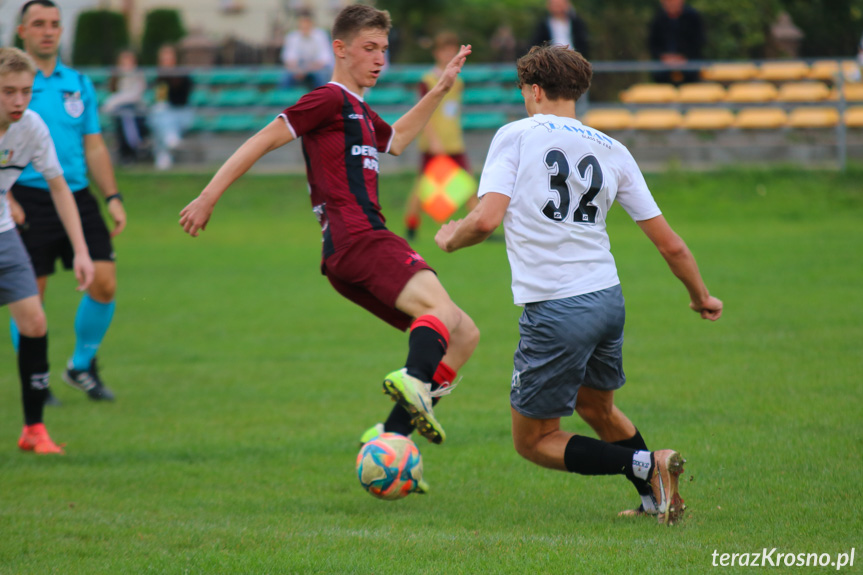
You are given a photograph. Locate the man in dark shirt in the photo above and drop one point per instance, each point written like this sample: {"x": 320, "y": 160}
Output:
{"x": 362, "y": 259}
{"x": 676, "y": 36}
{"x": 170, "y": 115}
{"x": 561, "y": 25}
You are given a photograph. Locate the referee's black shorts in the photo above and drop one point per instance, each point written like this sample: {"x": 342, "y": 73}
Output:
{"x": 45, "y": 237}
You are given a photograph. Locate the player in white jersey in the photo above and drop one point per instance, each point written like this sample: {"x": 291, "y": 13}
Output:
{"x": 24, "y": 139}
{"x": 551, "y": 181}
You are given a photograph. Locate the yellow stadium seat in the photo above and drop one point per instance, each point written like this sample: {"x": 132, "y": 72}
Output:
{"x": 813, "y": 117}
{"x": 657, "y": 120}
{"x": 751, "y": 92}
{"x": 853, "y": 92}
{"x": 604, "y": 120}
{"x": 854, "y": 117}
{"x": 708, "y": 119}
{"x": 649, "y": 94}
{"x": 783, "y": 71}
{"x": 761, "y": 118}
{"x": 803, "y": 92}
{"x": 730, "y": 72}
{"x": 701, "y": 93}
{"x": 827, "y": 70}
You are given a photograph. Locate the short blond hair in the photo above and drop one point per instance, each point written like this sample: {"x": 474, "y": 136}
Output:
{"x": 15, "y": 60}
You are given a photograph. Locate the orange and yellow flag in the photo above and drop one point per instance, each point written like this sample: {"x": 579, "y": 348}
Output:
{"x": 444, "y": 187}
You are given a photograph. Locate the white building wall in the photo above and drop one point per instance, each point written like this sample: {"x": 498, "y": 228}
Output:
{"x": 252, "y": 21}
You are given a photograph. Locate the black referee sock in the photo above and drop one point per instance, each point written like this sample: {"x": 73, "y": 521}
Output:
{"x": 588, "y": 456}
{"x": 637, "y": 443}
{"x": 33, "y": 371}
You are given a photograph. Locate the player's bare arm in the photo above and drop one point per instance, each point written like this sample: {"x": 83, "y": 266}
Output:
{"x": 409, "y": 126}
{"x": 476, "y": 227}
{"x": 102, "y": 171}
{"x": 194, "y": 217}
{"x": 64, "y": 202}
{"x": 683, "y": 265}
{"x": 453, "y": 69}
{"x": 18, "y": 215}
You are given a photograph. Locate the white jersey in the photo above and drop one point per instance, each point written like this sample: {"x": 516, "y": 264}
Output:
{"x": 25, "y": 141}
{"x": 561, "y": 177}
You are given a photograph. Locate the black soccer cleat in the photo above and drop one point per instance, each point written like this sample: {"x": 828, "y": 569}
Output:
{"x": 87, "y": 380}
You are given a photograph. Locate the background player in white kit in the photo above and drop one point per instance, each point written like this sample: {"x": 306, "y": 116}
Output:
{"x": 24, "y": 139}
{"x": 551, "y": 181}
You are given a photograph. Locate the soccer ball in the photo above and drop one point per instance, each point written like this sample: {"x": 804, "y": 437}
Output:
{"x": 390, "y": 466}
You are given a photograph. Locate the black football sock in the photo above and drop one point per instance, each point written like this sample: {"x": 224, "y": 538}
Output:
{"x": 399, "y": 421}
{"x": 33, "y": 371}
{"x": 637, "y": 443}
{"x": 588, "y": 456}
{"x": 427, "y": 345}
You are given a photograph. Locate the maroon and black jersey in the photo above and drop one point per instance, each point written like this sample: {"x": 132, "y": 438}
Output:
{"x": 341, "y": 138}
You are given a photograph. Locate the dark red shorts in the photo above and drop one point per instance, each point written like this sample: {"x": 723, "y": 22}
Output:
{"x": 460, "y": 159}
{"x": 373, "y": 271}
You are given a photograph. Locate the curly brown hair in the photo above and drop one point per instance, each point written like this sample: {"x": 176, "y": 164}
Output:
{"x": 562, "y": 72}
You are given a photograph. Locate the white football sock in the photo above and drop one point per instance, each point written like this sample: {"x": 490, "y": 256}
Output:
{"x": 641, "y": 464}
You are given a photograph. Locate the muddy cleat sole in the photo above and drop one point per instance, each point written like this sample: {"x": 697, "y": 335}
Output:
{"x": 668, "y": 465}
{"x": 415, "y": 397}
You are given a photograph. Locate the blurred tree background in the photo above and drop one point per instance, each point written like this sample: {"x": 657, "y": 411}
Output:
{"x": 831, "y": 27}
{"x": 161, "y": 26}
{"x": 736, "y": 29}
{"x": 99, "y": 37}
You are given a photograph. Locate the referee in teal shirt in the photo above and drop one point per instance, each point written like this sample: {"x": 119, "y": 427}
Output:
{"x": 67, "y": 102}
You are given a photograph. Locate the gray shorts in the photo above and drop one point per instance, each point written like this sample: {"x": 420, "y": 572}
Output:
{"x": 565, "y": 344}
{"x": 17, "y": 278}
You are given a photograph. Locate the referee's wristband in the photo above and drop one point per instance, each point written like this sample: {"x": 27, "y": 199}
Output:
{"x": 114, "y": 197}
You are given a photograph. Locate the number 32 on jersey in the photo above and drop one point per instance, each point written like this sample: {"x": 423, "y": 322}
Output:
{"x": 590, "y": 174}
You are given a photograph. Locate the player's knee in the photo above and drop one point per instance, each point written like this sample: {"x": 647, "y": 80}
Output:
{"x": 33, "y": 324}
{"x": 521, "y": 447}
{"x": 468, "y": 333}
{"x": 525, "y": 446}
{"x": 103, "y": 288}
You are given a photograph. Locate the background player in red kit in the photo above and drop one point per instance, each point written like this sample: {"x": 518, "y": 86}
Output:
{"x": 363, "y": 260}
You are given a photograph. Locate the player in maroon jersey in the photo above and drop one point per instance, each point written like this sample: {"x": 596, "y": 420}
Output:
{"x": 362, "y": 259}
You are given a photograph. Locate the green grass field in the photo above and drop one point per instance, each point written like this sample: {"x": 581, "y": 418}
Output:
{"x": 243, "y": 381}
